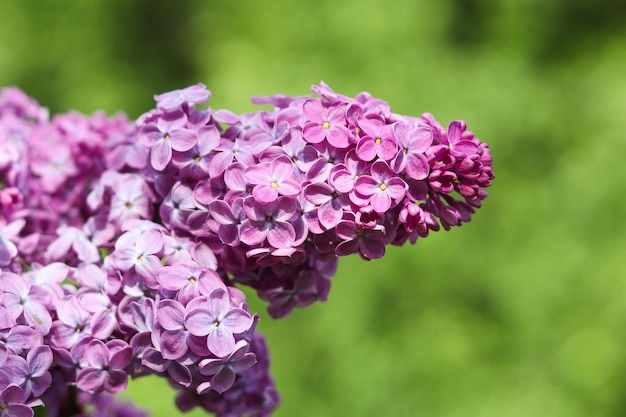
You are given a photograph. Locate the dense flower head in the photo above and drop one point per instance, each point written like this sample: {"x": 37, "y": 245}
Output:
{"x": 121, "y": 243}
{"x": 312, "y": 180}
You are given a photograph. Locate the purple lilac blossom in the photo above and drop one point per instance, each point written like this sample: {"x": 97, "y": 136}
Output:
{"x": 155, "y": 221}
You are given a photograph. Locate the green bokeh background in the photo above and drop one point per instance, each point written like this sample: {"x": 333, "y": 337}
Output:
{"x": 520, "y": 312}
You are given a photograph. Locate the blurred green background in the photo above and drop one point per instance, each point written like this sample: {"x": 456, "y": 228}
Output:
{"x": 522, "y": 311}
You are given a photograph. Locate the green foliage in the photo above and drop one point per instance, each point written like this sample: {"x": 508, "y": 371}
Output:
{"x": 518, "y": 313}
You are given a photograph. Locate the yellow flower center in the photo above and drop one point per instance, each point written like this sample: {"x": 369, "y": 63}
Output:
{"x": 274, "y": 184}
{"x": 326, "y": 125}
{"x": 383, "y": 186}
{"x": 192, "y": 280}
{"x": 216, "y": 323}
{"x": 378, "y": 141}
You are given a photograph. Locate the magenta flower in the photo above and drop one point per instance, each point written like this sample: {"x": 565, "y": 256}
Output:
{"x": 414, "y": 141}
{"x": 368, "y": 242}
{"x": 219, "y": 321}
{"x": 325, "y": 123}
{"x": 167, "y": 133}
{"x": 104, "y": 370}
{"x": 274, "y": 180}
{"x": 458, "y": 143}
{"x": 328, "y": 157}
{"x": 383, "y": 188}
{"x": 295, "y": 147}
{"x": 269, "y": 221}
{"x": 442, "y": 181}
{"x": 330, "y": 202}
{"x": 377, "y": 141}
{"x": 343, "y": 176}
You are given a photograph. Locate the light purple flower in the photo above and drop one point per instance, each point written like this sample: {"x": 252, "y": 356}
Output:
{"x": 142, "y": 256}
{"x": 274, "y": 129}
{"x": 225, "y": 370}
{"x": 8, "y": 234}
{"x": 21, "y": 297}
{"x": 177, "y": 206}
{"x": 31, "y": 374}
{"x": 195, "y": 162}
{"x": 166, "y": 134}
{"x": 130, "y": 199}
{"x": 173, "y": 339}
{"x": 104, "y": 319}
{"x": 75, "y": 239}
{"x": 104, "y": 370}
{"x": 73, "y": 324}
{"x": 54, "y": 166}
{"x": 184, "y": 278}
{"x": 219, "y": 321}
{"x": 195, "y": 94}
{"x": 12, "y": 402}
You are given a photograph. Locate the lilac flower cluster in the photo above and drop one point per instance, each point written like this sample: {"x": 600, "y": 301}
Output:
{"x": 121, "y": 243}
{"x": 279, "y": 195}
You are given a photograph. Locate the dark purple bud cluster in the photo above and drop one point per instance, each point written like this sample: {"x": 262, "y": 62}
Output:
{"x": 121, "y": 243}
